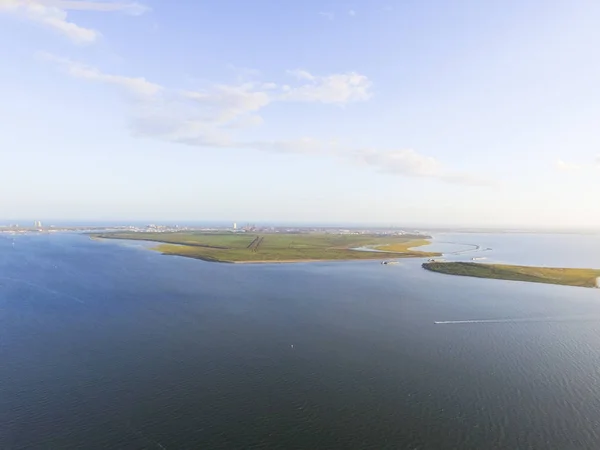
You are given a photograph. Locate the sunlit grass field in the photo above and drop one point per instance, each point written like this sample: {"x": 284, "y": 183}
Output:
{"x": 274, "y": 247}
{"x": 550, "y": 275}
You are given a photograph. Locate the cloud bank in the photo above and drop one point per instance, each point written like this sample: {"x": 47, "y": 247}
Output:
{"x": 213, "y": 117}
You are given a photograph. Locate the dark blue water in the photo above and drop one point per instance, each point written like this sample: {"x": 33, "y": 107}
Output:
{"x": 106, "y": 345}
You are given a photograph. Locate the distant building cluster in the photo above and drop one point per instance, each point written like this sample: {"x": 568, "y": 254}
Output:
{"x": 158, "y": 228}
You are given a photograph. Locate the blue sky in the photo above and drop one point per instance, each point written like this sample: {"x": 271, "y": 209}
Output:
{"x": 393, "y": 112}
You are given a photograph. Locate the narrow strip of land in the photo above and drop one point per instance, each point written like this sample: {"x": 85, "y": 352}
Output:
{"x": 549, "y": 275}
{"x": 280, "y": 247}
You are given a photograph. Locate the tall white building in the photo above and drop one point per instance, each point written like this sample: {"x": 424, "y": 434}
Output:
{"x": 234, "y": 226}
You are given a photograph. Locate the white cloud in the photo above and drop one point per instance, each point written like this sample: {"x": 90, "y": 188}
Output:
{"x": 214, "y": 116}
{"x": 233, "y": 107}
{"x": 50, "y": 17}
{"x": 138, "y": 86}
{"x": 244, "y": 73}
{"x": 301, "y": 74}
{"x": 566, "y": 166}
{"x": 410, "y": 163}
{"x": 225, "y": 103}
{"x": 336, "y": 88}
{"x": 466, "y": 179}
{"x": 102, "y": 6}
{"x": 304, "y": 145}
{"x": 327, "y": 15}
{"x": 247, "y": 121}
{"x": 404, "y": 162}
{"x": 352, "y": 13}
{"x": 207, "y": 118}
{"x": 268, "y": 86}
{"x": 53, "y": 14}
{"x": 407, "y": 163}
{"x": 204, "y": 117}
{"x": 180, "y": 129}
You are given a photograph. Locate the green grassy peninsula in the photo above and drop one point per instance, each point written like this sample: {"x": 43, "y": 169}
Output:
{"x": 279, "y": 247}
{"x": 550, "y": 275}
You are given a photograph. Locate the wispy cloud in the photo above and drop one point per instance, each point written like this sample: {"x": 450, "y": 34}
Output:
{"x": 403, "y": 162}
{"x": 135, "y": 85}
{"x": 213, "y": 117}
{"x": 305, "y": 145}
{"x": 225, "y": 103}
{"x": 206, "y": 117}
{"x": 327, "y": 15}
{"x": 244, "y": 73}
{"x": 564, "y": 166}
{"x": 53, "y": 14}
{"x": 133, "y": 8}
{"x": 336, "y": 88}
{"x": 408, "y": 162}
{"x": 352, "y": 13}
{"x": 570, "y": 167}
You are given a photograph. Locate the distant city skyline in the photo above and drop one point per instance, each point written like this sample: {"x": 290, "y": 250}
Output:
{"x": 226, "y": 225}
{"x": 468, "y": 113}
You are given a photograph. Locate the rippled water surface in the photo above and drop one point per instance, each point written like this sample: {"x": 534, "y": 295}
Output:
{"x": 108, "y": 345}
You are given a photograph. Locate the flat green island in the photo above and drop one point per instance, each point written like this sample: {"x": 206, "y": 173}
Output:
{"x": 549, "y": 275}
{"x": 279, "y": 247}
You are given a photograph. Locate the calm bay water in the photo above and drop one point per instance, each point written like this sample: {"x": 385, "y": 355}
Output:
{"x": 109, "y": 345}
{"x": 552, "y": 250}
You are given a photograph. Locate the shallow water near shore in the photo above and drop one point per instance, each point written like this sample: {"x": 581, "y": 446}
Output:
{"x": 109, "y": 345}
